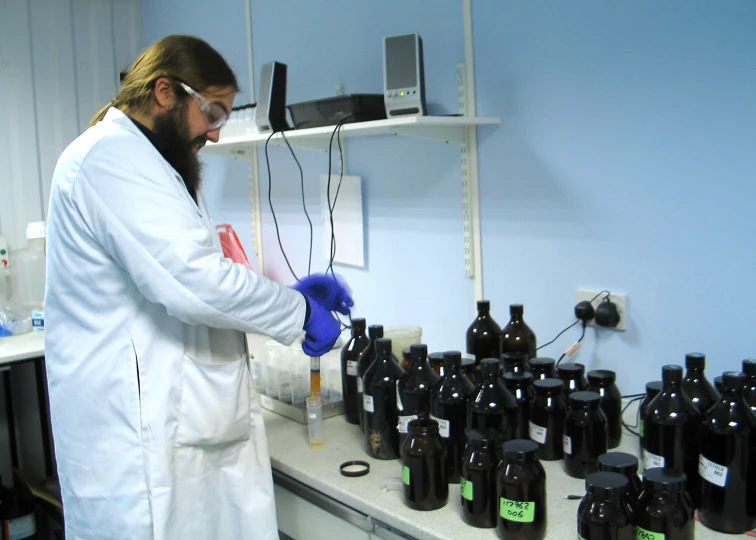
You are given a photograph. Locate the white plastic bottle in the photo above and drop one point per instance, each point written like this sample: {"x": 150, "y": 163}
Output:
{"x": 30, "y": 271}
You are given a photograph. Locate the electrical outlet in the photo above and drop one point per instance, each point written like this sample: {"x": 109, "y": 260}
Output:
{"x": 620, "y": 300}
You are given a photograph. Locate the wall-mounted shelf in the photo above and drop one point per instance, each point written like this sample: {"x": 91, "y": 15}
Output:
{"x": 237, "y": 142}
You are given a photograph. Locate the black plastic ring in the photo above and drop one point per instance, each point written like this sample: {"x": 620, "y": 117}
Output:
{"x": 354, "y": 474}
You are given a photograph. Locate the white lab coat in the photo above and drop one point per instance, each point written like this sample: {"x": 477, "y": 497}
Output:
{"x": 158, "y": 431}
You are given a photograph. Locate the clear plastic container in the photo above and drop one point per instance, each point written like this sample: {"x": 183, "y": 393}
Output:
{"x": 315, "y": 421}
{"x": 402, "y": 337}
{"x": 28, "y": 274}
{"x": 271, "y": 368}
{"x": 300, "y": 376}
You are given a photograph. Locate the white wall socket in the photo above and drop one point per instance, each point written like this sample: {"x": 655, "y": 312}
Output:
{"x": 620, "y": 300}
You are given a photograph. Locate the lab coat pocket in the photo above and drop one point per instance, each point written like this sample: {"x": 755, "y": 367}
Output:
{"x": 215, "y": 403}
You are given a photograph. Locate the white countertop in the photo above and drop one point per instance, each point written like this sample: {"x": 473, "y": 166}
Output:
{"x": 23, "y": 347}
{"x": 319, "y": 469}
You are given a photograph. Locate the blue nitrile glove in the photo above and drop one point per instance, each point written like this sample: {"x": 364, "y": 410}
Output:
{"x": 329, "y": 291}
{"x": 322, "y": 330}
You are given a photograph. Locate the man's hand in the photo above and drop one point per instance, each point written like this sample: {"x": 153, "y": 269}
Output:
{"x": 331, "y": 293}
{"x": 322, "y": 330}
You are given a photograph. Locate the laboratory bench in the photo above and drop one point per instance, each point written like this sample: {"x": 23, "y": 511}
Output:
{"x": 314, "y": 501}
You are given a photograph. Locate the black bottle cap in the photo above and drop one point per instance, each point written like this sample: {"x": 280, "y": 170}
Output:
{"x": 749, "y": 367}
{"x": 375, "y": 331}
{"x": 672, "y": 374}
{"x": 515, "y": 380}
{"x": 695, "y": 361}
{"x": 490, "y": 366}
{"x": 718, "y": 383}
{"x": 548, "y": 387}
{"x": 482, "y": 439}
{"x": 514, "y": 357}
{"x": 733, "y": 380}
{"x": 601, "y": 377}
{"x": 423, "y": 426}
{"x": 619, "y": 462}
{"x": 516, "y": 309}
{"x": 653, "y": 388}
{"x": 583, "y": 400}
{"x": 570, "y": 369}
{"x": 484, "y": 305}
{"x": 383, "y": 345}
{"x": 406, "y": 353}
{"x": 452, "y": 359}
{"x": 659, "y": 479}
{"x": 543, "y": 363}
{"x": 358, "y": 325}
{"x": 604, "y": 485}
{"x": 520, "y": 450}
{"x": 418, "y": 351}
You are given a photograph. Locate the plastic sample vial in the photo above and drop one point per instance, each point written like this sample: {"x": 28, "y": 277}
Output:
{"x": 315, "y": 421}
{"x": 627, "y": 466}
{"x": 585, "y": 434}
{"x": 664, "y": 509}
{"x": 603, "y": 513}
{"x": 602, "y": 381}
{"x": 547, "y": 413}
{"x": 573, "y": 376}
{"x": 521, "y": 492}
{"x": 477, "y": 485}
{"x": 426, "y": 485}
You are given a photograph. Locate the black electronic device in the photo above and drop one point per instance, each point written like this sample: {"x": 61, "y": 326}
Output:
{"x": 339, "y": 109}
{"x": 270, "y": 114}
{"x": 403, "y": 76}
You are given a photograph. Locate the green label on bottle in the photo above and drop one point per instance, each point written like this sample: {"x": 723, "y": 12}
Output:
{"x": 405, "y": 475}
{"x": 466, "y": 488}
{"x": 643, "y": 534}
{"x": 640, "y": 428}
{"x": 522, "y": 512}
{"x": 580, "y": 538}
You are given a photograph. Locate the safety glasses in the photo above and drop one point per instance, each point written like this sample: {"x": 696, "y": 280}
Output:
{"x": 214, "y": 112}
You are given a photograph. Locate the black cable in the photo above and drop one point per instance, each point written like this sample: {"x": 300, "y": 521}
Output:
{"x": 622, "y": 417}
{"x": 336, "y": 132}
{"x": 304, "y": 205}
{"x": 582, "y": 335}
{"x": 273, "y": 212}
{"x": 557, "y": 336}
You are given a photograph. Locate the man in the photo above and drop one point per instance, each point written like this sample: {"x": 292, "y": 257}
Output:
{"x": 157, "y": 429}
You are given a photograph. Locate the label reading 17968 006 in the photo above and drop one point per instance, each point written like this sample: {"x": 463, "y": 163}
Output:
{"x": 520, "y": 511}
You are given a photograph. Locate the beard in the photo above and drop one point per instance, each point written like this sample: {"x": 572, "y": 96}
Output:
{"x": 177, "y": 148}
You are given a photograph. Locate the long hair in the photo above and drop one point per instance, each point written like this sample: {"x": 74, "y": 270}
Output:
{"x": 180, "y": 58}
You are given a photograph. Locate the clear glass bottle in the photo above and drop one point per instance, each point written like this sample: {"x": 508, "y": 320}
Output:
{"x": 379, "y": 402}
{"x": 672, "y": 428}
{"x": 652, "y": 390}
{"x": 542, "y": 368}
{"x": 728, "y": 437}
{"x": 492, "y": 406}
{"x": 423, "y": 467}
{"x": 603, "y": 513}
{"x": 483, "y": 334}
{"x": 627, "y": 466}
{"x": 664, "y": 509}
{"x": 547, "y": 413}
{"x": 521, "y": 492}
{"x": 517, "y": 336}
{"x": 695, "y": 384}
{"x": 749, "y": 389}
{"x": 350, "y": 373}
{"x": 520, "y": 385}
{"x": 602, "y": 381}
{"x": 573, "y": 375}
{"x": 449, "y": 399}
{"x": 585, "y": 434}
{"x": 477, "y": 486}
{"x": 414, "y": 389}
{"x": 364, "y": 361}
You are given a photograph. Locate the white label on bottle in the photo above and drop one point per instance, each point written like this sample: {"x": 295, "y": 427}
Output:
{"x": 443, "y": 427}
{"x": 398, "y": 398}
{"x": 266, "y": 402}
{"x": 38, "y": 321}
{"x": 537, "y": 433}
{"x": 711, "y": 472}
{"x": 23, "y": 527}
{"x": 352, "y": 368}
{"x": 312, "y": 416}
{"x": 652, "y": 460}
{"x": 567, "y": 444}
{"x": 367, "y": 403}
{"x": 359, "y": 385}
{"x": 403, "y": 421}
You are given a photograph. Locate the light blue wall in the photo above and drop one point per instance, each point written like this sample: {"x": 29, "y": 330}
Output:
{"x": 625, "y": 160}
